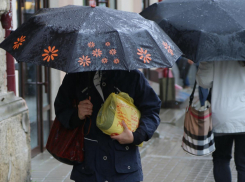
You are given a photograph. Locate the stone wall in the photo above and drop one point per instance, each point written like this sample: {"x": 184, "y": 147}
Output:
{"x": 15, "y": 151}
{"x": 3, "y": 80}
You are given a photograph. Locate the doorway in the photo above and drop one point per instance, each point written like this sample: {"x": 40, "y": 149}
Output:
{"x": 34, "y": 84}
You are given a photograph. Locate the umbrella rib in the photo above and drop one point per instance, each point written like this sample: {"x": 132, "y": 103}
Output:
{"x": 30, "y": 46}
{"x": 123, "y": 52}
{"x": 176, "y": 15}
{"x": 155, "y": 42}
{"x": 188, "y": 10}
{"x": 158, "y": 47}
{"x": 118, "y": 17}
{"x": 73, "y": 50}
{"x": 118, "y": 38}
{"x": 87, "y": 14}
{"x": 72, "y": 53}
{"x": 229, "y": 15}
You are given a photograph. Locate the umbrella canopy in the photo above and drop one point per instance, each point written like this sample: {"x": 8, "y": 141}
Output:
{"x": 83, "y": 38}
{"x": 205, "y": 30}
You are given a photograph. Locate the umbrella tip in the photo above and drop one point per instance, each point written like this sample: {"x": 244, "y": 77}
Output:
{"x": 93, "y": 6}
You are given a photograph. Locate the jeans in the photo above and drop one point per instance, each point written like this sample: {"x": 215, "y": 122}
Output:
{"x": 203, "y": 94}
{"x": 186, "y": 82}
{"x": 223, "y": 154}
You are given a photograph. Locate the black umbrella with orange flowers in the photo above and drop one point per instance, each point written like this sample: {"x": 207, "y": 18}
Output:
{"x": 84, "y": 38}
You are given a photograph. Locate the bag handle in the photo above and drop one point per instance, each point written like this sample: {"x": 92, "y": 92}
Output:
{"x": 192, "y": 94}
{"x": 90, "y": 121}
{"x": 193, "y": 91}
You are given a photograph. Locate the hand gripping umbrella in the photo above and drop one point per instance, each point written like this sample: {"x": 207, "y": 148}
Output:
{"x": 83, "y": 38}
{"x": 205, "y": 30}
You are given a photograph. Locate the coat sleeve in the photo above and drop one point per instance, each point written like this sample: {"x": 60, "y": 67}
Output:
{"x": 149, "y": 105}
{"x": 205, "y": 74}
{"x": 65, "y": 111}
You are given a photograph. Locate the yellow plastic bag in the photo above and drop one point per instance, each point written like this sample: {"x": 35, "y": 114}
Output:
{"x": 117, "y": 108}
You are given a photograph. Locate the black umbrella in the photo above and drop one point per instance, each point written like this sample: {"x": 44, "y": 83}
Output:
{"x": 83, "y": 38}
{"x": 205, "y": 30}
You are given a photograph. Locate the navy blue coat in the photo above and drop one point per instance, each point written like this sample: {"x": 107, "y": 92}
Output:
{"x": 106, "y": 159}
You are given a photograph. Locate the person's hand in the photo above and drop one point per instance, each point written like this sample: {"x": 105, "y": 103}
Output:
{"x": 85, "y": 108}
{"x": 190, "y": 62}
{"x": 126, "y": 137}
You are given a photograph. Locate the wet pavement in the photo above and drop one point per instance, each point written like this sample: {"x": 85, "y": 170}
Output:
{"x": 163, "y": 159}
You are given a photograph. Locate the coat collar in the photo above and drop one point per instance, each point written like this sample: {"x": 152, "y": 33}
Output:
{"x": 97, "y": 81}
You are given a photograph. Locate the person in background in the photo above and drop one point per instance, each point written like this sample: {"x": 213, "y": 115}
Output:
{"x": 108, "y": 158}
{"x": 184, "y": 66}
{"x": 227, "y": 80}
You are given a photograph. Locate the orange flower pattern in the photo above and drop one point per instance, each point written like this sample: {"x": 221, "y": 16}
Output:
{"x": 107, "y": 44}
{"x": 120, "y": 124}
{"x": 84, "y": 61}
{"x": 97, "y": 52}
{"x": 91, "y": 44}
{"x": 104, "y": 60}
{"x": 50, "y": 53}
{"x": 116, "y": 61}
{"x": 113, "y": 51}
{"x": 144, "y": 56}
{"x": 19, "y": 42}
{"x": 166, "y": 46}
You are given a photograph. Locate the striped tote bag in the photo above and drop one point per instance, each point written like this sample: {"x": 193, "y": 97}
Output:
{"x": 198, "y": 138}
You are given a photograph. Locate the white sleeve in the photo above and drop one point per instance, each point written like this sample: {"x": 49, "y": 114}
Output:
{"x": 205, "y": 74}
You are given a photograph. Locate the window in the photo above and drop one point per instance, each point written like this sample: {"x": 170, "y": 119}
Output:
{"x": 145, "y": 4}
{"x": 105, "y": 3}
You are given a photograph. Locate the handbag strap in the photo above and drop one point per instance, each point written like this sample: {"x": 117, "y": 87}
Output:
{"x": 90, "y": 121}
{"x": 192, "y": 94}
{"x": 193, "y": 91}
{"x": 78, "y": 77}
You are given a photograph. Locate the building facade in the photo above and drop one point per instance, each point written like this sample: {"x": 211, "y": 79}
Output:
{"x": 15, "y": 151}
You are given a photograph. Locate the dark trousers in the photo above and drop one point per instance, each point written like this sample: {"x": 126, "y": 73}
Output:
{"x": 223, "y": 155}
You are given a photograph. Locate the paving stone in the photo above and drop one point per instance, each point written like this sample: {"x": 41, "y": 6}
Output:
{"x": 37, "y": 179}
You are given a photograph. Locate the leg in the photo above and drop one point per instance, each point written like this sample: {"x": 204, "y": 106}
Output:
{"x": 222, "y": 157}
{"x": 186, "y": 82}
{"x": 240, "y": 156}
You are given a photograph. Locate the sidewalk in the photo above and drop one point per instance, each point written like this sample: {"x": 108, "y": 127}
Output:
{"x": 163, "y": 159}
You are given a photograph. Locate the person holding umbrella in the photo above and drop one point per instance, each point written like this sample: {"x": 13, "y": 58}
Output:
{"x": 184, "y": 66}
{"x": 200, "y": 29}
{"x": 108, "y": 158}
{"x": 100, "y": 50}
{"x": 227, "y": 80}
